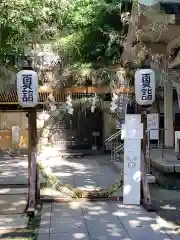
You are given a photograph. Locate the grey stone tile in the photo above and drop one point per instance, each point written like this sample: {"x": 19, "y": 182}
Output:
{"x": 108, "y": 236}
{"x": 95, "y": 208}
{"x": 46, "y": 211}
{"x": 20, "y": 179}
{"x": 108, "y": 226}
{"x": 43, "y": 236}
{"x": 121, "y": 210}
{"x": 79, "y": 235}
{"x": 177, "y": 167}
{"x": 47, "y": 206}
{"x": 19, "y": 190}
{"x": 80, "y": 179}
{"x": 45, "y": 224}
{"x": 5, "y": 190}
{"x": 13, "y": 221}
{"x": 13, "y": 204}
{"x": 6, "y": 180}
{"x": 11, "y": 191}
{"x": 145, "y": 232}
{"x": 133, "y": 213}
{"x": 86, "y": 185}
{"x": 67, "y": 224}
{"x": 8, "y": 173}
{"x": 138, "y": 223}
{"x": 66, "y": 209}
{"x": 174, "y": 236}
{"x": 13, "y": 234}
{"x": 85, "y": 180}
{"x": 100, "y": 209}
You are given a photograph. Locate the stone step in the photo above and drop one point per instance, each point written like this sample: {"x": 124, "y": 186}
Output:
{"x": 119, "y": 165}
{"x": 13, "y": 203}
{"x": 9, "y": 184}
{"x": 13, "y": 191}
{"x": 13, "y": 200}
{"x": 10, "y": 223}
{"x": 71, "y": 154}
{"x": 151, "y": 178}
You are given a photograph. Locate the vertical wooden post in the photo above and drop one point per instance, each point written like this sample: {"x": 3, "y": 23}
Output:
{"x": 146, "y": 198}
{"x": 32, "y": 157}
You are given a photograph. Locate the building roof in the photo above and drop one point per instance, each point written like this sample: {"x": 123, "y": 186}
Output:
{"x": 59, "y": 95}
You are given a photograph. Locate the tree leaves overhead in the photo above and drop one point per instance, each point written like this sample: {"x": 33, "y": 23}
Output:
{"x": 93, "y": 31}
{"x": 23, "y": 21}
{"x": 81, "y": 30}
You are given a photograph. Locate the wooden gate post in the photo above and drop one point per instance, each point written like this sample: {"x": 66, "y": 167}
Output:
{"x": 34, "y": 190}
{"x": 145, "y": 192}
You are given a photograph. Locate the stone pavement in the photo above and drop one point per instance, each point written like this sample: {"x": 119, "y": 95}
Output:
{"x": 166, "y": 202}
{"x": 101, "y": 221}
{"x": 90, "y": 172}
{"x": 13, "y": 170}
{"x": 15, "y": 221}
{"x": 13, "y": 184}
{"x": 165, "y": 161}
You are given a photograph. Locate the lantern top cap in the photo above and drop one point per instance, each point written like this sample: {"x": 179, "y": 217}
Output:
{"x": 27, "y": 68}
{"x": 145, "y": 66}
{"x": 144, "y": 69}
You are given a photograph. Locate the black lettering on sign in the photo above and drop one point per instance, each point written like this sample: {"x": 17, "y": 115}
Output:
{"x": 146, "y": 91}
{"x": 27, "y": 93}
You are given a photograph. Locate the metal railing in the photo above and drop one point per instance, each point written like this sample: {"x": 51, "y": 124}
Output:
{"x": 115, "y": 135}
{"x": 116, "y": 146}
{"x": 116, "y": 151}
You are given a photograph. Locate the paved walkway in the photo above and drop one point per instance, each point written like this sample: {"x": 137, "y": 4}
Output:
{"x": 13, "y": 184}
{"x": 101, "y": 221}
{"x": 88, "y": 173}
{"x": 13, "y": 170}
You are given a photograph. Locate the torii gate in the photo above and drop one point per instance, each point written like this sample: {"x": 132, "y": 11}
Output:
{"x": 8, "y": 101}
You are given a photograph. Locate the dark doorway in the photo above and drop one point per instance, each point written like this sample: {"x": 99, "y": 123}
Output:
{"x": 161, "y": 127}
{"x": 177, "y": 122}
{"x": 81, "y": 130}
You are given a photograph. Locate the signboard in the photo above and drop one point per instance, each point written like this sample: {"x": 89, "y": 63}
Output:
{"x": 133, "y": 132}
{"x": 177, "y": 137}
{"x": 122, "y": 103}
{"x": 118, "y": 124}
{"x": 15, "y": 134}
{"x": 132, "y": 129}
{"x": 96, "y": 134}
{"x": 145, "y": 86}
{"x": 153, "y": 123}
{"x": 27, "y": 88}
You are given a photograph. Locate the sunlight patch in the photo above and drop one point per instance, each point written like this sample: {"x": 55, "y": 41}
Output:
{"x": 127, "y": 189}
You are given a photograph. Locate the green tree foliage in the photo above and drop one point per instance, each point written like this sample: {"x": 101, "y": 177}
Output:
{"x": 82, "y": 30}
{"x": 94, "y": 31}
{"x": 25, "y": 21}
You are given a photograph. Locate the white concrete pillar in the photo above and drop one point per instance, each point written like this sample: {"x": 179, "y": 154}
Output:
{"x": 168, "y": 114}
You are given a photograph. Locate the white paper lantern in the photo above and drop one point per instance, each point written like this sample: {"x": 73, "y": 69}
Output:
{"x": 27, "y": 88}
{"x": 145, "y": 86}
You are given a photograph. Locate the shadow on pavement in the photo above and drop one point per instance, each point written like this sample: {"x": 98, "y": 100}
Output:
{"x": 167, "y": 204}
